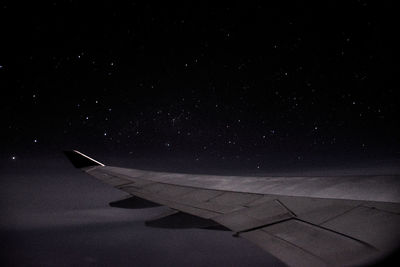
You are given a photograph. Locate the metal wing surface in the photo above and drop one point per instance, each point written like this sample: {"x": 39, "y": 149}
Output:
{"x": 303, "y": 221}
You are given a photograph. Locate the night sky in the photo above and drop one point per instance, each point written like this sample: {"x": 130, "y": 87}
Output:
{"x": 245, "y": 86}
{"x": 239, "y": 81}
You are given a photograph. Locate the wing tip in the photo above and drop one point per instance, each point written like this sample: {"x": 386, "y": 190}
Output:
{"x": 80, "y": 160}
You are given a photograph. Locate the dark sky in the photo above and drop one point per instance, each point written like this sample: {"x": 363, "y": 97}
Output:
{"x": 244, "y": 81}
{"x": 258, "y": 86}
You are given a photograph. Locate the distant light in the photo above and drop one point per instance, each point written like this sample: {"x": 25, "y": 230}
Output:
{"x": 13, "y": 157}
{"x": 105, "y": 134}
{"x": 35, "y": 141}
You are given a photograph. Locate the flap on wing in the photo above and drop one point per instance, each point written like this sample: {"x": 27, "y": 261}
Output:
{"x": 298, "y": 243}
{"x": 258, "y": 216}
{"x": 379, "y": 228}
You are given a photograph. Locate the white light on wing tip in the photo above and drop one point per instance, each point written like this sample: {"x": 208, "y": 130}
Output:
{"x": 101, "y": 164}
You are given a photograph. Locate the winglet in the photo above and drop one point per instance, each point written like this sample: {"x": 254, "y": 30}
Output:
{"x": 80, "y": 160}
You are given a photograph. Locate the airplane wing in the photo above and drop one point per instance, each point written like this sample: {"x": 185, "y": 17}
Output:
{"x": 300, "y": 230}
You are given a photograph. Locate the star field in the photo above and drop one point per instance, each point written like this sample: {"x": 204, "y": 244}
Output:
{"x": 245, "y": 82}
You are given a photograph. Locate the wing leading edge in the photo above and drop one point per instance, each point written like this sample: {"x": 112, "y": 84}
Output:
{"x": 300, "y": 231}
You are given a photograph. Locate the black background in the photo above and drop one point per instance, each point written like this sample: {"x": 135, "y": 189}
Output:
{"x": 247, "y": 80}
{"x": 245, "y": 87}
